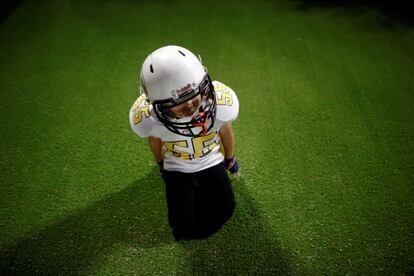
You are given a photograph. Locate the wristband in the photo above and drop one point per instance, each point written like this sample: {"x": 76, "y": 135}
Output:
{"x": 232, "y": 165}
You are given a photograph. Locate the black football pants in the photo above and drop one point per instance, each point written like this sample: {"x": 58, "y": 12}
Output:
{"x": 198, "y": 203}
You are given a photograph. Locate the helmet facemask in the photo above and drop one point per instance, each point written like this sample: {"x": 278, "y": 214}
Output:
{"x": 201, "y": 121}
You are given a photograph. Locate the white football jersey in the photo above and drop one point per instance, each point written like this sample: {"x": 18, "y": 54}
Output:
{"x": 182, "y": 153}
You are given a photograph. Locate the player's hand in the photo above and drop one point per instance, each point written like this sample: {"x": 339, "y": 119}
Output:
{"x": 161, "y": 167}
{"x": 232, "y": 166}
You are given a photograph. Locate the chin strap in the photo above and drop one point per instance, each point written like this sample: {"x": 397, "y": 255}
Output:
{"x": 201, "y": 122}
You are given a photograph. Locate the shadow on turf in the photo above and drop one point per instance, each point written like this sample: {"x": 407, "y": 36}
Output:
{"x": 397, "y": 11}
{"x": 245, "y": 245}
{"x": 7, "y": 7}
{"x": 134, "y": 217}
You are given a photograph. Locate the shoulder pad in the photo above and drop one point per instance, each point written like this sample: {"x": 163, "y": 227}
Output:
{"x": 142, "y": 118}
{"x": 227, "y": 103}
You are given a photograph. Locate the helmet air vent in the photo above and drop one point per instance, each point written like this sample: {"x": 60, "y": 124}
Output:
{"x": 181, "y": 53}
{"x": 151, "y": 69}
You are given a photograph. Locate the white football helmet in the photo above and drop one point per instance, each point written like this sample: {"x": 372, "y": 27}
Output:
{"x": 171, "y": 76}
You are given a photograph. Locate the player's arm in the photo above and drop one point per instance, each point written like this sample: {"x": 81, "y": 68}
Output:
{"x": 156, "y": 148}
{"x": 227, "y": 139}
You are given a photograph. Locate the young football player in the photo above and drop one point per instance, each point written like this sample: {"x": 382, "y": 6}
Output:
{"x": 187, "y": 119}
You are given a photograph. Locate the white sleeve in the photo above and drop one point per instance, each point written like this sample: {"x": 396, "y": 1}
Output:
{"x": 227, "y": 104}
{"x": 143, "y": 120}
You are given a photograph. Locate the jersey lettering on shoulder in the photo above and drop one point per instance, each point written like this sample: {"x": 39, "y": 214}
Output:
{"x": 143, "y": 120}
{"x": 227, "y": 104}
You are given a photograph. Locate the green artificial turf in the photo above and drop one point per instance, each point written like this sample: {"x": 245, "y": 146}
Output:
{"x": 325, "y": 139}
